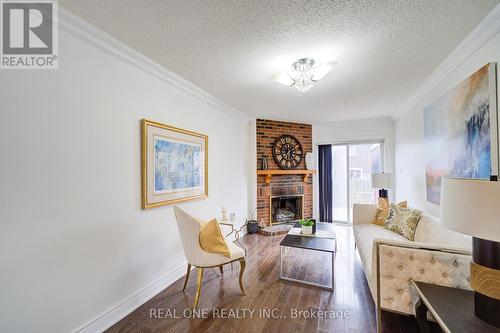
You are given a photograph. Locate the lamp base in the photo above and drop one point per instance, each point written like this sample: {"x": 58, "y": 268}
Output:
{"x": 487, "y": 309}
{"x": 485, "y": 267}
{"x": 382, "y": 193}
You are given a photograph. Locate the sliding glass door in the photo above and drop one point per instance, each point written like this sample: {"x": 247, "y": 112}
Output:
{"x": 353, "y": 164}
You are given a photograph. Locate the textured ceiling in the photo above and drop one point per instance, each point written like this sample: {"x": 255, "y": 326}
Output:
{"x": 385, "y": 49}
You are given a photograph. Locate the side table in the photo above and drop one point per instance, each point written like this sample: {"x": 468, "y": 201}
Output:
{"x": 452, "y": 308}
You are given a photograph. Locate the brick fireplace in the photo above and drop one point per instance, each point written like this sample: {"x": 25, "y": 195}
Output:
{"x": 282, "y": 188}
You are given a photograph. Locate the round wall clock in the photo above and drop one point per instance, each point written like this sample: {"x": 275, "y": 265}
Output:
{"x": 287, "y": 152}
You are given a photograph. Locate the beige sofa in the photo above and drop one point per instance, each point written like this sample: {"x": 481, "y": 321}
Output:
{"x": 437, "y": 256}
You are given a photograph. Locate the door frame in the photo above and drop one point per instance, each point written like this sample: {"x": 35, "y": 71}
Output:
{"x": 347, "y": 144}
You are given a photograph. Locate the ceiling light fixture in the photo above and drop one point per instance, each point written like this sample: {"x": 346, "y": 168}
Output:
{"x": 304, "y": 73}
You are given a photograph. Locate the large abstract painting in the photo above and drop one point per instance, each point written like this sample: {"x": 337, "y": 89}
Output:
{"x": 174, "y": 164}
{"x": 460, "y": 130}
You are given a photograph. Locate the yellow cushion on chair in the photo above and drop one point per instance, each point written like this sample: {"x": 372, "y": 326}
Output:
{"x": 212, "y": 240}
{"x": 383, "y": 210}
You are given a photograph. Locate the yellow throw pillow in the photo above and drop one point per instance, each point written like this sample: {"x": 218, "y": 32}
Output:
{"x": 383, "y": 210}
{"x": 212, "y": 240}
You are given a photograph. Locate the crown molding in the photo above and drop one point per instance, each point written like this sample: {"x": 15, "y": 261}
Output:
{"x": 482, "y": 34}
{"x": 83, "y": 30}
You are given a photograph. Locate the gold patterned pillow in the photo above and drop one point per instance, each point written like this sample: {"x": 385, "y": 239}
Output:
{"x": 403, "y": 221}
{"x": 383, "y": 210}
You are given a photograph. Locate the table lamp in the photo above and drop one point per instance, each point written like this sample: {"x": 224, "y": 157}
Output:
{"x": 472, "y": 207}
{"x": 382, "y": 181}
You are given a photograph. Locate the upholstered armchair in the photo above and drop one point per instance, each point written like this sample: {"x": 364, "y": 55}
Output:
{"x": 189, "y": 229}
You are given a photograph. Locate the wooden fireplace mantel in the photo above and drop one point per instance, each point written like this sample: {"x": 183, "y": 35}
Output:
{"x": 270, "y": 173}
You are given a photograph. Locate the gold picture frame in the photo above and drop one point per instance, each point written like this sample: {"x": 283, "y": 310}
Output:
{"x": 174, "y": 164}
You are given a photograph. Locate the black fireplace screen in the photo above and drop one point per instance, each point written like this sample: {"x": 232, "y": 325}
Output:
{"x": 286, "y": 208}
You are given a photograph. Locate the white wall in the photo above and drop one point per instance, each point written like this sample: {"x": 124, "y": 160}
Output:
{"x": 357, "y": 130}
{"x": 410, "y": 155}
{"x": 252, "y": 167}
{"x": 74, "y": 242}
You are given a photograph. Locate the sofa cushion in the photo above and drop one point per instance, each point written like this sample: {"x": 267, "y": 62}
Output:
{"x": 429, "y": 230}
{"x": 364, "y": 235}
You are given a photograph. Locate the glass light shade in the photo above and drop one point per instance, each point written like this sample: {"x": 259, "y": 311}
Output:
{"x": 284, "y": 79}
{"x": 322, "y": 70}
{"x": 381, "y": 180}
{"x": 304, "y": 73}
{"x": 303, "y": 84}
{"x": 471, "y": 207}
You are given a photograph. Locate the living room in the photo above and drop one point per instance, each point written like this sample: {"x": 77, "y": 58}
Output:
{"x": 278, "y": 166}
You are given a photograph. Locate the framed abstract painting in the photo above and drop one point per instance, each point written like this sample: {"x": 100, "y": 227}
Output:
{"x": 460, "y": 131}
{"x": 174, "y": 164}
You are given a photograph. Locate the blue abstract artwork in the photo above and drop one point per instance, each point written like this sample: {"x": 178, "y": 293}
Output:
{"x": 457, "y": 134}
{"x": 178, "y": 165}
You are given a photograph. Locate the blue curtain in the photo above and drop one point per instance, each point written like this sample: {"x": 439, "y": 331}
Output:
{"x": 325, "y": 183}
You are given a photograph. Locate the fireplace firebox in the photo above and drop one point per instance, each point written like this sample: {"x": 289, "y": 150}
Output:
{"x": 286, "y": 208}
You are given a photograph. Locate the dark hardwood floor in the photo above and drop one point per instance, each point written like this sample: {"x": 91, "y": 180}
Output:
{"x": 350, "y": 305}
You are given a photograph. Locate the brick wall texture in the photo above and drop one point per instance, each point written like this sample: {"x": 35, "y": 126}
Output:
{"x": 267, "y": 132}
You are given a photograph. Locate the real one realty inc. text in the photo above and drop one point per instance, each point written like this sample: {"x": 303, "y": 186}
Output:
{"x": 242, "y": 313}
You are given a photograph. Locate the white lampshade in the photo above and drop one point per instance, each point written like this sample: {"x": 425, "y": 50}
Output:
{"x": 381, "y": 180}
{"x": 471, "y": 207}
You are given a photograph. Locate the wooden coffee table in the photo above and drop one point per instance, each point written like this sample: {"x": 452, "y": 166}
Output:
{"x": 312, "y": 243}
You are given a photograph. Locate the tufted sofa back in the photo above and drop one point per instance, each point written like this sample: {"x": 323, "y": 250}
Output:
{"x": 430, "y": 230}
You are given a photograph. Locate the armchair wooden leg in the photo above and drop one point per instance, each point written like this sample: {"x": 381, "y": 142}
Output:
{"x": 242, "y": 269}
{"x": 187, "y": 277}
{"x": 198, "y": 287}
{"x": 221, "y": 271}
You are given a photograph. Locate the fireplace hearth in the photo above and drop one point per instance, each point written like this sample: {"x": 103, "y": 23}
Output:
{"x": 286, "y": 208}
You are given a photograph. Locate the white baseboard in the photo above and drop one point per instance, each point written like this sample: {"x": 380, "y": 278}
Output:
{"x": 243, "y": 232}
{"x": 119, "y": 311}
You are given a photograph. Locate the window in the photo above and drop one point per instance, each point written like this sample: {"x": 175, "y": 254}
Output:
{"x": 356, "y": 173}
